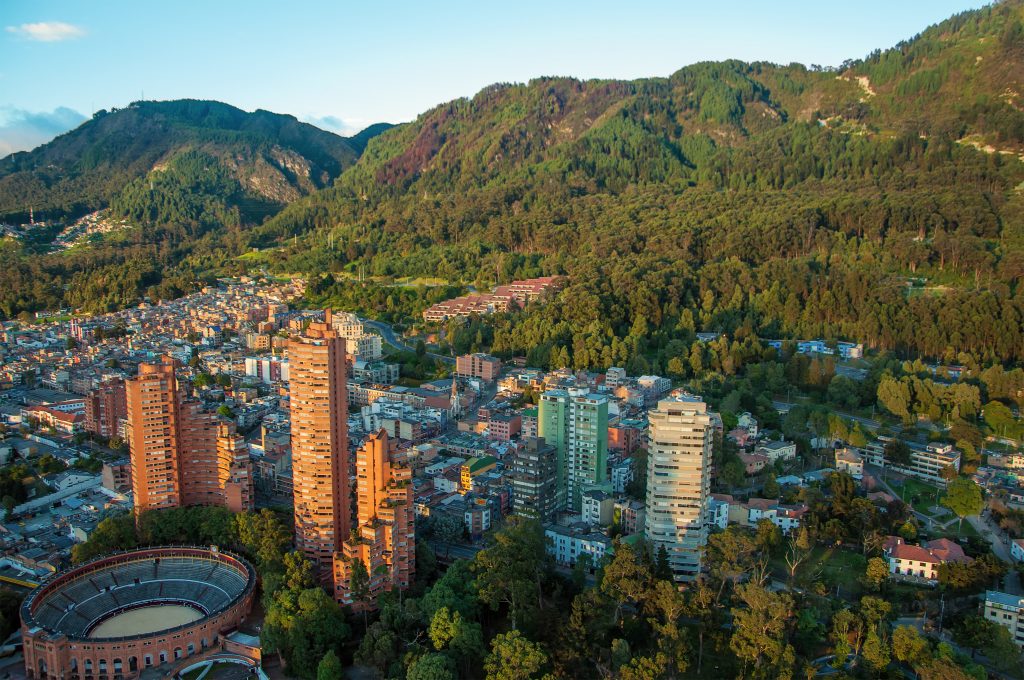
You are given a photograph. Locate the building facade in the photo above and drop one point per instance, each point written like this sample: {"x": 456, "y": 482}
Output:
{"x": 478, "y": 365}
{"x": 319, "y": 439}
{"x": 576, "y": 424}
{"x": 178, "y": 457}
{"x": 1008, "y": 611}
{"x": 678, "y": 482}
{"x": 384, "y": 540}
{"x": 534, "y": 483}
{"x": 105, "y": 407}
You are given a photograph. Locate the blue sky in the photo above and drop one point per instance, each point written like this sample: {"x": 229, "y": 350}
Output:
{"x": 345, "y": 64}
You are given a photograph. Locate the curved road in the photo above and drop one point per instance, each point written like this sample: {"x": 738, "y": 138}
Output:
{"x": 388, "y": 333}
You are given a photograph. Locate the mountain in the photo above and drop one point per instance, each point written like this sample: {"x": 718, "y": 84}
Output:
{"x": 880, "y": 202}
{"x": 274, "y": 158}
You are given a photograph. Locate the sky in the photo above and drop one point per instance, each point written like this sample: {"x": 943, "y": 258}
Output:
{"x": 344, "y": 65}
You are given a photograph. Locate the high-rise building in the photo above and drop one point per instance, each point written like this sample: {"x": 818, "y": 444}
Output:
{"x": 384, "y": 539}
{"x": 358, "y": 343}
{"x": 182, "y": 454}
{"x": 678, "y": 482}
{"x": 105, "y": 407}
{"x": 319, "y": 439}
{"x": 535, "y": 479}
{"x": 575, "y": 422}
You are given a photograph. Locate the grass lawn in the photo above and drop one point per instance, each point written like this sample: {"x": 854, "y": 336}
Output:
{"x": 911, "y": 488}
{"x": 830, "y": 566}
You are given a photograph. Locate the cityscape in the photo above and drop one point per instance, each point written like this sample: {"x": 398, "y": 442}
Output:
{"x": 712, "y": 375}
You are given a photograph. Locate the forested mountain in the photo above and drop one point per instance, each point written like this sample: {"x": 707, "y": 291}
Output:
{"x": 191, "y": 175}
{"x": 881, "y": 202}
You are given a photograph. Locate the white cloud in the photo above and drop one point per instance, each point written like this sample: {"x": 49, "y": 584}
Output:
{"x": 48, "y": 31}
{"x": 336, "y": 125}
{"x": 21, "y": 130}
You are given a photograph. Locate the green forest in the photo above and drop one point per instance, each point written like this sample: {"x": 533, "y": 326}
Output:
{"x": 775, "y": 201}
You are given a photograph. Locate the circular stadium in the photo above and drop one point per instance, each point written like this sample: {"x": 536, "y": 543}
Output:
{"x": 120, "y": 614}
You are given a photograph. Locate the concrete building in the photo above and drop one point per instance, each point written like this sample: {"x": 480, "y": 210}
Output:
{"x": 534, "y": 479}
{"x": 384, "y": 539}
{"x": 597, "y": 508}
{"x": 631, "y": 516}
{"x": 319, "y": 439}
{"x": 926, "y": 462}
{"x": 678, "y": 482}
{"x": 478, "y": 365}
{"x": 575, "y": 422}
{"x": 181, "y": 454}
{"x": 568, "y": 544}
{"x": 105, "y": 407}
{"x": 776, "y": 450}
{"x": 1008, "y": 611}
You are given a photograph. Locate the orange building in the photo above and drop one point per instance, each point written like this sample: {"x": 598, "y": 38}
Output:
{"x": 105, "y": 406}
{"x": 319, "y": 440}
{"x": 385, "y": 537}
{"x": 178, "y": 457}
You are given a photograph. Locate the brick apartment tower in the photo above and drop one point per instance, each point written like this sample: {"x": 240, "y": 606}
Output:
{"x": 319, "y": 438}
{"x": 182, "y": 454}
{"x": 384, "y": 539}
{"x": 105, "y": 406}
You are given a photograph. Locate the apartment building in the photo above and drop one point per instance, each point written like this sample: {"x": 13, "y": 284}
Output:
{"x": 534, "y": 479}
{"x": 105, "y": 407}
{"x": 926, "y": 462}
{"x": 384, "y": 537}
{"x": 575, "y": 422}
{"x": 478, "y": 365}
{"x": 678, "y": 482}
{"x": 319, "y": 439}
{"x": 1008, "y": 611}
{"x": 182, "y": 454}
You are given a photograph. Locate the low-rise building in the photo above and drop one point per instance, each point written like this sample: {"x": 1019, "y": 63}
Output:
{"x": 926, "y": 462}
{"x": 921, "y": 561}
{"x": 851, "y": 462}
{"x": 776, "y": 450}
{"x": 567, "y": 544}
{"x": 1008, "y": 611}
{"x": 631, "y": 516}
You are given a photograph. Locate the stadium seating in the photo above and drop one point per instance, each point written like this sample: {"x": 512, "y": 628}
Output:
{"x": 80, "y": 604}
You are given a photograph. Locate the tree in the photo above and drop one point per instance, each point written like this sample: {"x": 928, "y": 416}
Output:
{"x": 876, "y": 651}
{"x": 768, "y": 536}
{"x": 908, "y": 645}
{"x": 463, "y": 639}
{"x": 963, "y": 497}
{"x": 431, "y": 667}
{"x": 759, "y": 632}
{"x": 359, "y": 584}
{"x": 798, "y": 549}
{"x": 876, "y": 573}
{"x": 112, "y": 534}
{"x": 731, "y": 555}
{"x": 330, "y": 667}
{"x": 510, "y": 569}
{"x": 514, "y": 657}
{"x": 626, "y": 579}
{"x": 264, "y": 536}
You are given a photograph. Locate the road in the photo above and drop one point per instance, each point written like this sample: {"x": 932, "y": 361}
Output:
{"x": 1001, "y": 547}
{"x": 388, "y": 333}
{"x": 873, "y": 424}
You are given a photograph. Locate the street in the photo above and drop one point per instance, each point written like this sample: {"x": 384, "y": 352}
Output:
{"x": 388, "y": 333}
